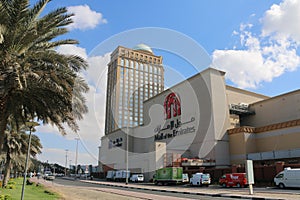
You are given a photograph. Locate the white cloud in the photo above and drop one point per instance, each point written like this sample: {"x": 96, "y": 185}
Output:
{"x": 283, "y": 20}
{"x": 70, "y": 49}
{"x": 53, "y": 155}
{"x": 269, "y": 55}
{"x": 85, "y": 18}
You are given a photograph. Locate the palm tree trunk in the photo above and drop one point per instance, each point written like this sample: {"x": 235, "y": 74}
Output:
{"x": 3, "y": 124}
{"x": 3, "y": 121}
{"x": 6, "y": 170}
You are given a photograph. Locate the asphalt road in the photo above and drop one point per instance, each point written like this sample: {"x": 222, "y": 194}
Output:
{"x": 74, "y": 183}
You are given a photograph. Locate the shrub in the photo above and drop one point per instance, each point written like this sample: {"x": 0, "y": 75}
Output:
{"x": 5, "y": 197}
{"x": 10, "y": 186}
{"x": 49, "y": 192}
{"x": 11, "y": 183}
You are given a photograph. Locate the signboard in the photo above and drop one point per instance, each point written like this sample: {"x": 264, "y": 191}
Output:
{"x": 249, "y": 171}
{"x": 174, "y": 125}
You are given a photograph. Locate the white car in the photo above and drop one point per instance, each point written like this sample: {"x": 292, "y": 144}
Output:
{"x": 137, "y": 178}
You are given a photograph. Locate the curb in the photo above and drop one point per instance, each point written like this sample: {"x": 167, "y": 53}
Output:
{"x": 183, "y": 192}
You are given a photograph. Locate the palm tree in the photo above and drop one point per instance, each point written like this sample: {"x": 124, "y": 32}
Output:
{"x": 36, "y": 82}
{"x": 15, "y": 146}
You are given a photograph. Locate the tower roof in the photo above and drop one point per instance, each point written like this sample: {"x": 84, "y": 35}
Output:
{"x": 143, "y": 47}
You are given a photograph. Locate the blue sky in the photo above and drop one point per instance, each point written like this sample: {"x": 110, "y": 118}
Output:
{"x": 256, "y": 42}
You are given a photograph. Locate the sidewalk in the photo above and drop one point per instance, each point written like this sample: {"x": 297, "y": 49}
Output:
{"x": 220, "y": 192}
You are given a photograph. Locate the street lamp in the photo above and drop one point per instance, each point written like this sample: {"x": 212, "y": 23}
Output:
{"x": 30, "y": 125}
{"x": 66, "y": 162}
{"x": 76, "y": 157}
{"x": 127, "y": 141}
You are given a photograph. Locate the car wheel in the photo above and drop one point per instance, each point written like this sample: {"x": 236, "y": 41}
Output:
{"x": 238, "y": 185}
{"x": 224, "y": 185}
{"x": 281, "y": 185}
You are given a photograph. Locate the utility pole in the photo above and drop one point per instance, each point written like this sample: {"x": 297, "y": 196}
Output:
{"x": 66, "y": 162}
{"x": 76, "y": 157}
{"x": 31, "y": 126}
{"x": 70, "y": 165}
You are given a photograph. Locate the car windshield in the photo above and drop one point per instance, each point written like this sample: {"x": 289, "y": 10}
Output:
{"x": 279, "y": 176}
{"x": 140, "y": 176}
{"x": 205, "y": 176}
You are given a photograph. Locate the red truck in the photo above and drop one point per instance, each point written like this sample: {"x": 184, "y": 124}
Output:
{"x": 233, "y": 180}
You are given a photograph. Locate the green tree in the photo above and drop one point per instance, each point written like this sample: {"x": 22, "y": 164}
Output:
{"x": 16, "y": 146}
{"x": 37, "y": 82}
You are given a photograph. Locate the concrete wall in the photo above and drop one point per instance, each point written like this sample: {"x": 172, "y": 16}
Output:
{"x": 274, "y": 110}
{"x": 273, "y": 144}
{"x": 236, "y": 95}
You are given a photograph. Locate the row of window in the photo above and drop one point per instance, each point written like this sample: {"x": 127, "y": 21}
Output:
{"x": 140, "y": 66}
{"x": 139, "y": 56}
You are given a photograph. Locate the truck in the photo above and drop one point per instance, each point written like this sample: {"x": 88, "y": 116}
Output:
{"x": 234, "y": 180}
{"x": 288, "y": 178}
{"x": 168, "y": 175}
{"x": 121, "y": 175}
{"x": 110, "y": 176}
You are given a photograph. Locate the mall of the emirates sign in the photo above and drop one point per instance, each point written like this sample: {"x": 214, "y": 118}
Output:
{"x": 173, "y": 126}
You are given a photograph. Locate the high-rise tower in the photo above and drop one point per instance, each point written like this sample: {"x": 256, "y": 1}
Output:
{"x": 134, "y": 75}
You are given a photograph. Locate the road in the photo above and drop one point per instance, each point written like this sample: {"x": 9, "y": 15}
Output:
{"x": 132, "y": 193}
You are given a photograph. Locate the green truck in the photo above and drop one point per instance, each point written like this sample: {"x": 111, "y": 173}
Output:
{"x": 168, "y": 175}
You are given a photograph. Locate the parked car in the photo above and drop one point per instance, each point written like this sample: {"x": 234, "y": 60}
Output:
{"x": 288, "y": 178}
{"x": 137, "y": 178}
{"x": 200, "y": 179}
{"x": 233, "y": 180}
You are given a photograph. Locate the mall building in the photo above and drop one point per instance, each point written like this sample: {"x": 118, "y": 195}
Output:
{"x": 205, "y": 123}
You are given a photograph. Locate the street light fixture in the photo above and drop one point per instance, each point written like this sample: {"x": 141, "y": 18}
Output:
{"x": 76, "y": 157}
{"x": 66, "y": 162}
{"x": 127, "y": 141}
{"x": 30, "y": 125}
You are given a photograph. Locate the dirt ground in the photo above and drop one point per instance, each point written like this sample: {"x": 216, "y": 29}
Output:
{"x": 81, "y": 193}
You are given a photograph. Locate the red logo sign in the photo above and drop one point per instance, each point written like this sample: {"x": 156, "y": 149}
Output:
{"x": 172, "y": 100}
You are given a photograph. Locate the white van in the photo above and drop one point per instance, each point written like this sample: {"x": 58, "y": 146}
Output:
{"x": 200, "y": 179}
{"x": 137, "y": 178}
{"x": 288, "y": 178}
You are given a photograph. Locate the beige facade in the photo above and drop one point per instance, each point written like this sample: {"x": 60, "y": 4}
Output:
{"x": 203, "y": 118}
{"x": 273, "y": 133}
{"x": 197, "y": 130}
{"x": 134, "y": 75}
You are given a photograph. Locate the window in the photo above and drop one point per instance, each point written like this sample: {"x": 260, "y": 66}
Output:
{"x": 131, "y": 64}
{"x": 279, "y": 176}
{"x": 136, "y": 65}
{"x": 122, "y": 62}
{"x": 155, "y": 70}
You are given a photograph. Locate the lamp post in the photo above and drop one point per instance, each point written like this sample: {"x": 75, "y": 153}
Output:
{"x": 66, "y": 162}
{"x": 127, "y": 141}
{"x": 30, "y": 125}
{"x": 76, "y": 157}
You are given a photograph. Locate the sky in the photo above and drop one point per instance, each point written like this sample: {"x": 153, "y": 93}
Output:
{"x": 256, "y": 42}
